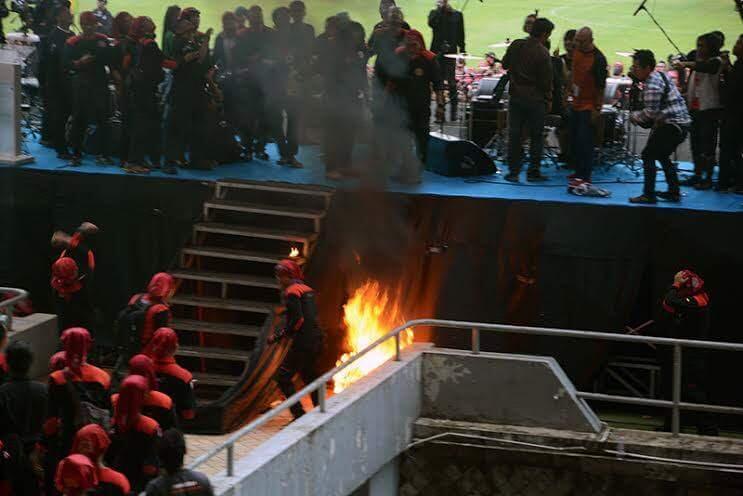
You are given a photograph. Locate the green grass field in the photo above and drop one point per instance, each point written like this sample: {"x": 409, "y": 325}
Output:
{"x": 494, "y": 20}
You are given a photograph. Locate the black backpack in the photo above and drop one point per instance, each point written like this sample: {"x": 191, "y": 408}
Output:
{"x": 129, "y": 325}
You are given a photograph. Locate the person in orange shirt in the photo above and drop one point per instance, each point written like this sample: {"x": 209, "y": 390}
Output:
{"x": 589, "y": 73}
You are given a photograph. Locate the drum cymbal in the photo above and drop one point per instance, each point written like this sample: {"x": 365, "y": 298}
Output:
{"x": 625, "y": 54}
{"x": 502, "y": 44}
{"x": 463, "y": 57}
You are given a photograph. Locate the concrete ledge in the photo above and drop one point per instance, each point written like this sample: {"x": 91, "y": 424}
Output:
{"x": 506, "y": 389}
{"x": 40, "y": 331}
{"x": 333, "y": 453}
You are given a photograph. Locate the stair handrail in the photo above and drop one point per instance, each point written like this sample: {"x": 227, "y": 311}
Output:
{"x": 320, "y": 384}
{"x": 8, "y": 306}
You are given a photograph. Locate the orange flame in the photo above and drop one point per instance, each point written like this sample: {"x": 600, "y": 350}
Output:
{"x": 368, "y": 315}
{"x": 294, "y": 252}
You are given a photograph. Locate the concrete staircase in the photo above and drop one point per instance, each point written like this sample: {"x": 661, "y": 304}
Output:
{"x": 227, "y": 294}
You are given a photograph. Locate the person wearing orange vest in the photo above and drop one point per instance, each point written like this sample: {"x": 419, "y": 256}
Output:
{"x": 301, "y": 326}
{"x": 157, "y": 405}
{"x": 172, "y": 379}
{"x": 686, "y": 311}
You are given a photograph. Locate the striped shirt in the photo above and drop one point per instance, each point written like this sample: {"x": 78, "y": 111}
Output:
{"x": 669, "y": 110}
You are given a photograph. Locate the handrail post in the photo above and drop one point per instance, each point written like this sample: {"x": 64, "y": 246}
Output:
{"x": 230, "y": 460}
{"x": 321, "y": 393}
{"x": 397, "y": 347}
{"x": 676, "y": 416}
{"x": 475, "y": 341}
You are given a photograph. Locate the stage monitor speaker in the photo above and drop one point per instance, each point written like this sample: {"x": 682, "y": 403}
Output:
{"x": 487, "y": 120}
{"x": 453, "y": 157}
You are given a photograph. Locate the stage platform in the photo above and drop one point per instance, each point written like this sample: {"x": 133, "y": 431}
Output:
{"x": 619, "y": 180}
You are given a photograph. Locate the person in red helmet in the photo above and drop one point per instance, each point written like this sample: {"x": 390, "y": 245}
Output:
{"x": 157, "y": 405}
{"x": 93, "y": 442}
{"x": 57, "y": 362}
{"x": 134, "y": 436}
{"x": 75, "y": 476}
{"x": 301, "y": 326}
{"x": 686, "y": 316}
{"x": 173, "y": 380}
{"x": 86, "y": 59}
{"x": 79, "y": 386}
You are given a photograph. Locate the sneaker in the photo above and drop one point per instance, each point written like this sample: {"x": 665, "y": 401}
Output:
{"x": 282, "y": 161}
{"x": 512, "y": 177}
{"x": 536, "y": 177}
{"x": 64, "y": 156}
{"x": 703, "y": 185}
{"x": 294, "y": 163}
{"x": 247, "y": 156}
{"x": 103, "y": 160}
{"x": 76, "y": 160}
{"x": 170, "y": 168}
{"x": 691, "y": 181}
{"x": 643, "y": 200}
{"x": 669, "y": 197}
{"x": 262, "y": 156}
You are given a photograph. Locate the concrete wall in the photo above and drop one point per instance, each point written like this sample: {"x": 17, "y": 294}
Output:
{"x": 40, "y": 331}
{"x": 334, "y": 453}
{"x": 502, "y": 389}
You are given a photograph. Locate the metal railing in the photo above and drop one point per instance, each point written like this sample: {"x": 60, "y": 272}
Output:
{"x": 7, "y": 306}
{"x": 676, "y": 405}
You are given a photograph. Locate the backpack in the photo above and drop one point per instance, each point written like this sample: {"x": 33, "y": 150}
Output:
{"x": 129, "y": 325}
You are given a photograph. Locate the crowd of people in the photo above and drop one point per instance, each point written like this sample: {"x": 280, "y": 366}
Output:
{"x": 175, "y": 97}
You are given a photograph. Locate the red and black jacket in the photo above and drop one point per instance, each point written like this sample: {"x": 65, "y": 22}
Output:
{"x": 301, "y": 314}
{"x": 158, "y": 406}
{"x": 134, "y": 452}
{"x": 177, "y": 383}
{"x": 91, "y": 385}
{"x": 111, "y": 483}
{"x": 83, "y": 256}
{"x": 94, "y": 71}
{"x": 158, "y": 315}
{"x": 689, "y": 313}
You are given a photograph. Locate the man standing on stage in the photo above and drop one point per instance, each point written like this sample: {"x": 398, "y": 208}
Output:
{"x": 530, "y": 69}
{"x": 587, "y": 87}
{"x": 57, "y": 85}
{"x": 105, "y": 19}
{"x": 666, "y": 113}
{"x": 448, "y": 37}
{"x": 85, "y": 58}
{"x": 731, "y": 146}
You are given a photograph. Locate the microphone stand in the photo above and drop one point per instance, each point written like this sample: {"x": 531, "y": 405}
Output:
{"x": 662, "y": 30}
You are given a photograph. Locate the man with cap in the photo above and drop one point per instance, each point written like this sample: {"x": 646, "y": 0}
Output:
{"x": 86, "y": 59}
{"x": 300, "y": 325}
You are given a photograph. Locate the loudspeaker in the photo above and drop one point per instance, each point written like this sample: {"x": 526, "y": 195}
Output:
{"x": 452, "y": 157}
{"x": 487, "y": 120}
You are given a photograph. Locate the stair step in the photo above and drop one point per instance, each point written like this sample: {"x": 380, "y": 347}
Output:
{"x": 304, "y": 189}
{"x": 254, "y": 232}
{"x": 242, "y": 255}
{"x": 224, "y": 277}
{"x": 217, "y": 353}
{"x": 215, "y": 327}
{"x": 258, "y": 208}
{"x": 215, "y": 379}
{"x": 223, "y": 304}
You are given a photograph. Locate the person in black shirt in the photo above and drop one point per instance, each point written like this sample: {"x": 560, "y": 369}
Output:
{"x": 188, "y": 98}
{"x": 224, "y": 45}
{"x": 104, "y": 17}
{"x": 421, "y": 77}
{"x": 731, "y": 145}
{"x": 23, "y": 405}
{"x": 448, "y": 37}
{"x": 56, "y": 82}
{"x": 303, "y": 34}
{"x": 177, "y": 480}
{"x": 86, "y": 57}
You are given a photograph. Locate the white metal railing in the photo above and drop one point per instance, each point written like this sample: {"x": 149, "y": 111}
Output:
{"x": 676, "y": 405}
{"x": 7, "y": 306}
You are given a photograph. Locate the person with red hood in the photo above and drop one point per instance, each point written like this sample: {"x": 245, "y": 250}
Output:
{"x": 686, "y": 316}
{"x": 146, "y": 313}
{"x": 71, "y": 388}
{"x": 134, "y": 436}
{"x": 173, "y": 380}
{"x": 72, "y": 274}
{"x": 75, "y": 476}
{"x": 93, "y": 442}
{"x": 57, "y": 362}
{"x": 301, "y": 326}
{"x": 413, "y": 87}
{"x": 86, "y": 58}
{"x": 3, "y": 342}
{"x": 157, "y": 405}
{"x": 145, "y": 75}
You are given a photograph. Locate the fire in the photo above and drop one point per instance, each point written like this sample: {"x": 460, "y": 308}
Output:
{"x": 368, "y": 315}
{"x": 294, "y": 252}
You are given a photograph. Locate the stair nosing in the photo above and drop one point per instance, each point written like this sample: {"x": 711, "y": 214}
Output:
{"x": 264, "y": 209}
{"x": 240, "y": 230}
{"x": 233, "y": 254}
{"x": 275, "y": 186}
{"x": 208, "y": 302}
{"x": 214, "y": 353}
{"x": 189, "y": 325}
{"x": 224, "y": 277}
{"x": 223, "y": 380}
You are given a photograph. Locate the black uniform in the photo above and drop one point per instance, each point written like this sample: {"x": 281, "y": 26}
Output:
{"x": 145, "y": 76}
{"x": 182, "y": 482}
{"x": 90, "y": 100}
{"x": 56, "y": 87}
{"x": 188, "y": 101}
{"x": 448, "y": 37}
{"x": 122, "y": 57}
{"x": 301, "y": 324}
{"x": 23, "y": 406}
{"x": 731, "y": 146}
